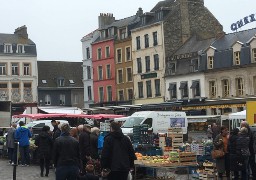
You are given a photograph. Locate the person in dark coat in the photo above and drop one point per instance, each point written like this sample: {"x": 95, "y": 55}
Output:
{"x": 215, "y": 130}
{"x": 44, "y": 143}
{"x": 85, "y": 146}
{"x": 252, "y": 160}
{"x": 66, "y": 155}
{"x": 242, "y": 149}
{"x": 221, "y": 143}
{"x": 10, "y": 139}
{"x": 94, "y": 142}
{"x": 56, "y": 131}
{"x": 232, "y": 152}
{"x": 117, "y": 154}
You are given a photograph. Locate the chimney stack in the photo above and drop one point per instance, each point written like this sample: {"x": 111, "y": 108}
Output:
{"x": 22, "y": 32}
{"x": 105, "y": 19}
{"x": 139, "y": 12}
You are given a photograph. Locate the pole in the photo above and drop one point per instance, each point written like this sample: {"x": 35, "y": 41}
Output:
{"x": 16, "y": 150}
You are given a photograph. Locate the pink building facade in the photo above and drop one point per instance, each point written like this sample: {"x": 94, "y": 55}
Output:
{"x": 103, "y": 71}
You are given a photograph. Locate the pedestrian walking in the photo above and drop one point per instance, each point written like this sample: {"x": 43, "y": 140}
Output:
{"x": 232, "y": 153}
{"x": 242, "y": 149}
{"x": 85, "y": 146}
{"x": 10, "y": 140}
{"x": 66, "y": 155}
{"x": 215, "y": 130}
{"x": 44, "y": 145}
{"x": 56, "y": 131}
{"x": 209, "y": 132}
{"x": 22, "y": 135}
{"x": 221, "y": 143}
{"x": 117, "y": 154}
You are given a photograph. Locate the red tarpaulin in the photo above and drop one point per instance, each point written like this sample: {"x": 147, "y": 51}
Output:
{"x": 38, "y": 116}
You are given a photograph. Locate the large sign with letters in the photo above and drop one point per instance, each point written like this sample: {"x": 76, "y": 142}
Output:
{"x": 242, "y": 22}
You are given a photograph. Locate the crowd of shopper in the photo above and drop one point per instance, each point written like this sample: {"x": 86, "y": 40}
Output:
{"x": 239, "y": 147}
{"x": 73, "y": 152}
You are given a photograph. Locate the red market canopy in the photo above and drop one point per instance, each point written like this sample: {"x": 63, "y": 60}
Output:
{"x": 38, "y": 116}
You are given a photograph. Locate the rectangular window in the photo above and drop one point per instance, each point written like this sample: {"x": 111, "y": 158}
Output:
{"x": 237, "y": 58}
{"x": 194, "y": 65}
{"x": 147, "y": 59}
{"x": 62, "y": 99}
{"x": 2, "y": 68}
{"x": 173, "y": 90}
{"x": 149, "y": 90}
{"x": 139, "y": 65}
{"x": 109, "y": 92}
{"x": 119, "y": 55}
{"x": 121, "y": 95}
{"x": 15, "y": 69}
{"x": 254, "y": 55}
{"x": 3, "y": 86}
{"x": 101, "y": 94}
{"x": 210, "y": 62}
{"x": 120, "y": 75}
{"x": 99, "y": 53}
{"x": 140, "y": 89}
{"x": 130, "y": 94}
{"x": 213, "y": 89}
{"x": 157, "y": 87}
{"x": 100, "y": 75}
{"x": 75, "y": 99}
{"x": 156, "y": 62}
{"x": 155, "y": 38}
{"x": 88, "y": 54}
{"x": 47, "y": 99}
{"x": 138, "y": 42}
{"x": 20, "y": 48}
{"x": 128, "y": 53}
{"x": 122, "y": 33}
{"x": 108, "y": 71}
{"x": 15, "y": 85}
{"x": 26, "y": 69}
{"x": 61, "y": 82}
{"x": 7, "y": 48}
{"x": 172, "y": 68}
{"x": 225, "y": 88}
{"x": 184, "y": 89}
{"x": 195, "y": 88}
{"x": 146, "y": 40}
{"x": 27, "y": 85}
{"x": 89, "y": 88}
{"x": 107, "y": 55}
{"x": 89, "y": 73}
{"x": 239, "y": 87}
{"x": 129, "y": 74}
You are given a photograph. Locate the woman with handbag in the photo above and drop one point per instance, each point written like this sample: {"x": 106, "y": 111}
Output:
{"x": 222, "y": 160}
{"x": 242, "y": 149}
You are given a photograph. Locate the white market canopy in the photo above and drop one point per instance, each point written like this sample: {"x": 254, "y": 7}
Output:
{"x": 64, "y": 110}
{"x": 238, "y": 115}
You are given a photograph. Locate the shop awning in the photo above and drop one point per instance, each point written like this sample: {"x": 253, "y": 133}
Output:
{"x": 64, "y": 110}
{"x": 194, "y": 84}
{"x": 183, "y": 85}
{"x": 172, "y": 87}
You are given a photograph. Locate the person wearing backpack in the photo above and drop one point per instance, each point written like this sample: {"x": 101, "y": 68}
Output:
{"x": 117, "y": 158}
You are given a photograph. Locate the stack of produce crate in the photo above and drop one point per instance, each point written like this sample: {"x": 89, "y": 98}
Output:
{"x": 176, "y": 135}
{"x": 187, "y": 158}
{"x": 208, "y": 172}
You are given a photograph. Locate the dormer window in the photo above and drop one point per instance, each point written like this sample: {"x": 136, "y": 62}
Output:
{"x": 61, "y": 82}
{"x": 210, "y": 62}
{"x": 71, "y": 81}
{"x": 20, "y": 49}
{"x": 254, "y": 55}
{"x": 143, "y": 20}
{"x": 237, "y": 58}
{"x": 44, "y": 81}
{"x": 122, "y": 33}
{"x": 159, "y": 15}
{"x": 7, "y": 48}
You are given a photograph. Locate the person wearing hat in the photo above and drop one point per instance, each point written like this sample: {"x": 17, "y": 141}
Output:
{"x": 66, "y": 155}
{"x": 85, "y": 146}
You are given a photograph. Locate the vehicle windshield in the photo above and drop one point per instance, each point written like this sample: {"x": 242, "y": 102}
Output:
{"x": 132, "y": 121}
{"x": 30, "y": 125}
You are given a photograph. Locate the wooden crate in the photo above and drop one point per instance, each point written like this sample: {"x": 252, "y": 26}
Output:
{"x": 187, "y": 157}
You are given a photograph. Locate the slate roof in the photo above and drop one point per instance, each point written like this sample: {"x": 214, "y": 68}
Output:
{"x": 52, "y": 70}
{"x": 122, "y": 22}
{"x": 193, "y": 45}
{"x": 228, "y": 40}
{"x": 14, "y": 39}
{"x": 166, "y": 3}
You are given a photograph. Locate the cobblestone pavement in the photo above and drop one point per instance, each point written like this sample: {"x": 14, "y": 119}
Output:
{"x": 23, "y": 173}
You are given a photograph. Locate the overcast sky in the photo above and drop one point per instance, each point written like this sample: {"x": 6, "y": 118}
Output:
{"x": 57, "y": 26}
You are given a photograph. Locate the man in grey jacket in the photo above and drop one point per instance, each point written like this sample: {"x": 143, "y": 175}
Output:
{"x": 10, "y": 144}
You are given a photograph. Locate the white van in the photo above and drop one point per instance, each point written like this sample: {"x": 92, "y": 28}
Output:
{"x": 160, "y": 121}
{"x": 41, "y": 123}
